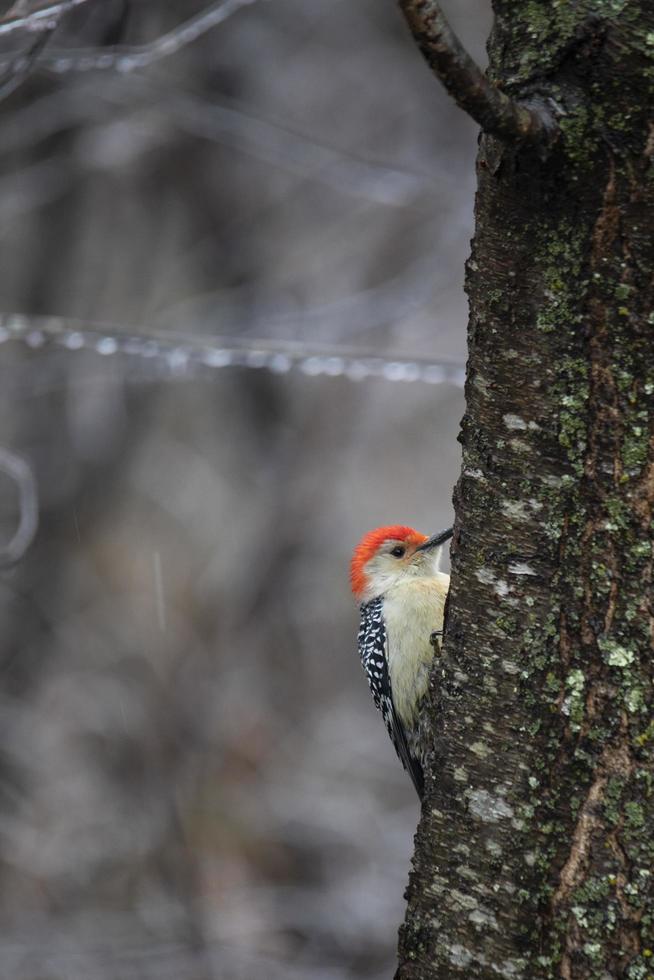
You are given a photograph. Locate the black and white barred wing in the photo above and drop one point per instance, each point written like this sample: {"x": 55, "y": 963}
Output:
{"x": 373, "y": 651}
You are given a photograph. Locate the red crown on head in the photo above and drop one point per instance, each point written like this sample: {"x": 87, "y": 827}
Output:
{"x": 368, "y": 546}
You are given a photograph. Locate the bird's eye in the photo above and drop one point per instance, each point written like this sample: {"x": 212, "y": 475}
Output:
{"x": 398, "y": 551}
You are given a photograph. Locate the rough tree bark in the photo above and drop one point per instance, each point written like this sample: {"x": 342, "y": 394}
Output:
{"x": 535, "y": 851}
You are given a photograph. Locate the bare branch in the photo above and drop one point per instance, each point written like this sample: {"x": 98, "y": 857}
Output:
{"x": 132, "y": 57}
{"x": 297, "y": 153}
{"x": 20, "y": 67}
{"x": 39, "y": 19}
{"x": 228, "y": 124}
{"x": 495, "y": 112}
{"x": 20, "y": 472}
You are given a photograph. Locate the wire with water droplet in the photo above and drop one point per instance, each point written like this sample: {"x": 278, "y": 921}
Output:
{"x": 174, "y": 355}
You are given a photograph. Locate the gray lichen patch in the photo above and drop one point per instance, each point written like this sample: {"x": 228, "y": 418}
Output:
{"x": 462, "y": 900}
{"x": 512, "y": 421}
{"x": 483, "y": 919}
{"x": 487, "y": 807}
{"x": 521, "y": 568}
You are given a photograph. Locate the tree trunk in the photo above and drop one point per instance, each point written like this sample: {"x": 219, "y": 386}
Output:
{"x": 535, "y": 852}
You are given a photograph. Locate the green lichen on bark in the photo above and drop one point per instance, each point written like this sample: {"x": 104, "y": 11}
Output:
{"x": 548, "y": 655}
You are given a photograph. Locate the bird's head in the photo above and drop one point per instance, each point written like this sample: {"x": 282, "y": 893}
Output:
{"x": 388, "y": 555}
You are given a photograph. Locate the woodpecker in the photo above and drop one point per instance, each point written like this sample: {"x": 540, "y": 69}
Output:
{"x": 396, "y": 579}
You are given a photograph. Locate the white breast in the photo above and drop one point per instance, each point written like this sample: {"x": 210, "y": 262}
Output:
{"x": 412, "y": 610}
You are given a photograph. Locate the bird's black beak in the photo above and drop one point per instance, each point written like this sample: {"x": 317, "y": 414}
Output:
{"x": 437, "y": 539}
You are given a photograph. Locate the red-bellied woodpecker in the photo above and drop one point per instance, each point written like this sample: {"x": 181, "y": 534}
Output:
{"x": 395, "y": 576}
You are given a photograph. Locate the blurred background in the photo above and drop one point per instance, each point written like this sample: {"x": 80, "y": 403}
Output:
{"x": 231, "y": 263}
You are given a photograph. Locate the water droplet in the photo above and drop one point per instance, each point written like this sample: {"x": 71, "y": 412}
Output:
{"x": 127, "y": 63}
{"x": 177, "y": 360}
{"x": 35, "y": 339}
{"x": 256, "y": 358}
{"x": 311, "y": 366}
{"x": 334, "y": 366}
{"x": 411, "y": 372}
{"x": 395, "y": 371}
{"x": 73, "y": 340}
{"x": 106, "y": 346}
{"x": 280, "y": 363}
{"x": 17, "y": 324}
{"x": 215, "y": 357}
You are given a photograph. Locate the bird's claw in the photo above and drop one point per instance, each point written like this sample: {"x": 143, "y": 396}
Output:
{"x": 434, "y": 637}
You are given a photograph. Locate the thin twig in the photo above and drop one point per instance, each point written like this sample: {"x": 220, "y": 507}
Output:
{"x": 495, "y": 112}
{"x": 125, "y": 58}
{"x": 22, "y": 65}
{"x": 297, "y": 153}
{"x": 19, "y": 471}
{"x": 40, "y": 19}
{"x": 240, "y": 129}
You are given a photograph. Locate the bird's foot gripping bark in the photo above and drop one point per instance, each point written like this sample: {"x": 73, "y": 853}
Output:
{"x": 434, "y": 638}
